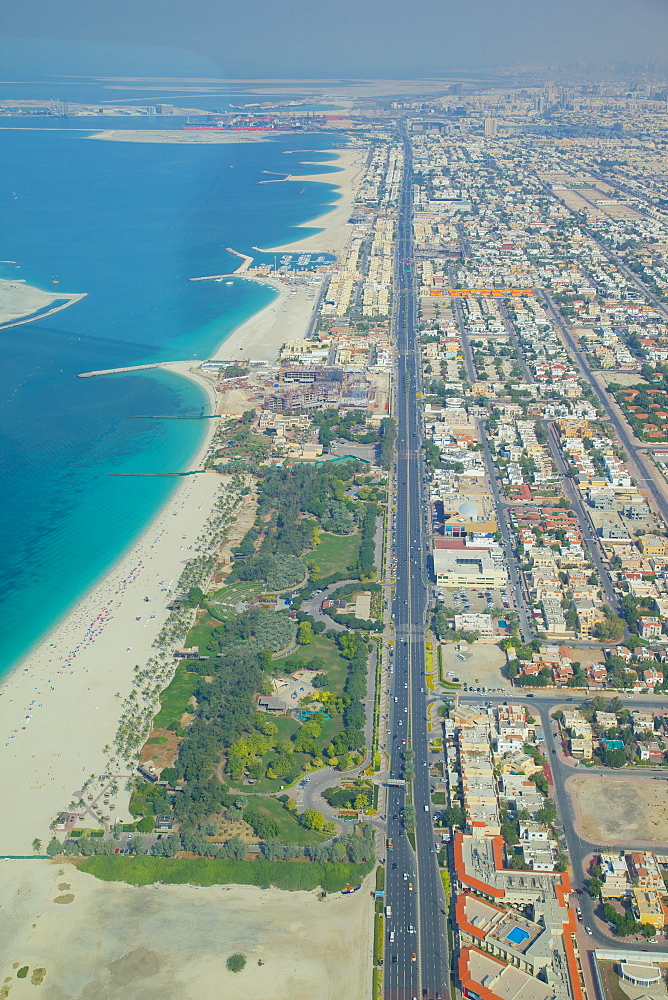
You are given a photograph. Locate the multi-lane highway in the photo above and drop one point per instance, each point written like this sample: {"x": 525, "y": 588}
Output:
{"x": 416, "y": 955}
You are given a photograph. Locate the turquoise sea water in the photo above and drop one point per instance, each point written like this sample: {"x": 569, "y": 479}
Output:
{"x": 127, "y": 224}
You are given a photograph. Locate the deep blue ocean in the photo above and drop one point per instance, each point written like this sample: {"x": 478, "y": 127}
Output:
{"x": 128, "y": 224}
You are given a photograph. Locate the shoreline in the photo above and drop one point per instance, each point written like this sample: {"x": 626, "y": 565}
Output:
{"x": 182, "y": 368}
{"x": 58, "y": 686}
{"x": 61, "y": 702}
{"x": 287, "y": 316}
{"x": 260, "y": 337}
{"x": 333, "y": 225}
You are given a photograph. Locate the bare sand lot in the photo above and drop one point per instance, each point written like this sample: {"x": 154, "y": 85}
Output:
{"x": 483, "y": 665}
{"x": 622, "y": 378}
{"x": 629, "y": 810}
{"x": 96, "y": 940}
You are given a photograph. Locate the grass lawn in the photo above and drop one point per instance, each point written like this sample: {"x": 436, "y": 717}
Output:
{"x": 325, "y": 649}
{"x": 174, "y": 699}
{"x": 330, "y": 729}
{"x": 289, "y": 830}
{"x": 335, "y": 553}
{"x": 613, "y": 990}
{"x": 200, "y": 634}
{"x": 438, "y": 798}
{"x": 286, "y": 726}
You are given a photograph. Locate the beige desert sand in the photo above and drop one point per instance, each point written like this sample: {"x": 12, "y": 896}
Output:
{"x": 102, "y": 941}
{"x": 61, "y": 704}
{"x": 620, "y": 810}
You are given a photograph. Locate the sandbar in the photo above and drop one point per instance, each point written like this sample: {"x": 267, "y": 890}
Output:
{"x": 105, "y": 940}
{"x": 184, "y": 135}
{"x": 23, "y": 303}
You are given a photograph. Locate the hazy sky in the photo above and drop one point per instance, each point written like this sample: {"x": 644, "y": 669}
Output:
{"x": 359, "y": 38}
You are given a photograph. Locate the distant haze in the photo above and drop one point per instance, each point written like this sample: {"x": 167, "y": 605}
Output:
{"x": 356, "y": 38}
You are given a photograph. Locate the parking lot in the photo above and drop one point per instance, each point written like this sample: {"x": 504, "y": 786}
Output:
{"x": 471, "y": 600}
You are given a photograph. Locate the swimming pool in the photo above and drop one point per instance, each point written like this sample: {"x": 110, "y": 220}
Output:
{"x": 517, "y": 935}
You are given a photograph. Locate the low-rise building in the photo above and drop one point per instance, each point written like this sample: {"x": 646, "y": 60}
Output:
{"x": 653, "y": 545}
{"x": 476, "y": 623}
{"x": 467, "y": 566}
{"x": 615, "y": 876}
{"x": 648, "y": 908}
{"x": 582, "y": 747}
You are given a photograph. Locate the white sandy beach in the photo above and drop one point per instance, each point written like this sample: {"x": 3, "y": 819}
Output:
{"x": 61, "y": 704}
{"x": 287, "y": 317}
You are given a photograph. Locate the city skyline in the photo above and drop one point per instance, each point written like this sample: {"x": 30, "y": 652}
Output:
{"x": 391, "y": 40}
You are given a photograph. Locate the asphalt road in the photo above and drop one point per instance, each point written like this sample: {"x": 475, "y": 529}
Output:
{"x": 520, "y": 599}
{"x": 416, "y": 955}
